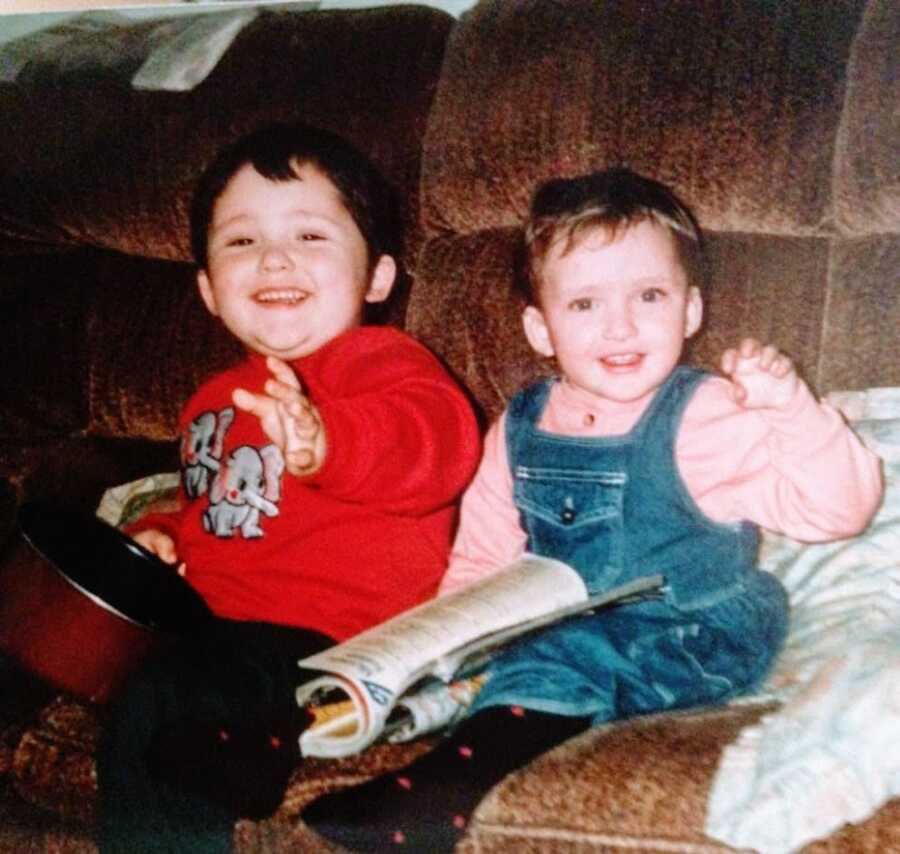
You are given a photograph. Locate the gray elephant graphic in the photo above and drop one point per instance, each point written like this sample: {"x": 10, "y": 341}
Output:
{"x": 201, "y": 450}
{"x": 247, "y": 484}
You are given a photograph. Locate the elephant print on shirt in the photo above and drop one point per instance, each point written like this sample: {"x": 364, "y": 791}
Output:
{"x": 201, "y": 450}
{"x": 247, "y": 484}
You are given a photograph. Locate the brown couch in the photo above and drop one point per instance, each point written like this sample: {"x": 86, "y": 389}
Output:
{"x": 778, "y": 121}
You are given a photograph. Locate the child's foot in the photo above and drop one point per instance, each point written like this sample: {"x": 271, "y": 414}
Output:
{"x": 427, "y": 805}
{"x": 406, "y": 808}
{"x": 246, "y": 771}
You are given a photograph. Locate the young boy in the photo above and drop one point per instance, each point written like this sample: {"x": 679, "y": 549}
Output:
{"x": 625, "y": 465}
{"x": 319, "y": 478}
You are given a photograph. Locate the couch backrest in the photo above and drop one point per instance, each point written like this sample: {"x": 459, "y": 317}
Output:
{"x": 777, "y": 121}
{"x": 96, "y": 161}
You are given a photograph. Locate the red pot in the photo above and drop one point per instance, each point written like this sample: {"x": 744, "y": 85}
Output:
{"x": 81, "y": 604}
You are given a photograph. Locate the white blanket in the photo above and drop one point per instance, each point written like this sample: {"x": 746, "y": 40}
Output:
{"x": 831, "y": 753}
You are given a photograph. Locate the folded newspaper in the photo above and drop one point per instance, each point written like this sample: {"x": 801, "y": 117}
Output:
{"x": 418, "y": 671}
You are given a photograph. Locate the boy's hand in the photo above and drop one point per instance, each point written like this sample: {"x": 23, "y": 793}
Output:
{"x": 761, "y": 376}
{"x": 288, "y": 418}
{"x": 160, "y": 544}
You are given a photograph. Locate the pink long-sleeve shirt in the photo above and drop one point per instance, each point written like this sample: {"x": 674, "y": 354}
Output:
{"x": 799, "y": 470}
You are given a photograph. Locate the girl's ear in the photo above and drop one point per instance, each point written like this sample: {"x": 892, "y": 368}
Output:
{"x": 382, "y": 279}
{"x": 536, "y": 331}
{"x": 206, "y": 292}
{"x": 694, "y": 314}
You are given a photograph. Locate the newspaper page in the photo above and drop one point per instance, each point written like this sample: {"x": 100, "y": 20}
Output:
{"x": 364, "y": 678}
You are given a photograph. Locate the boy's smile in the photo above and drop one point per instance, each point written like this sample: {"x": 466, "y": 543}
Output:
{"x": 281, "y": 296}
{"x": 288, "y": 268}
{"x": 614, "y": 314}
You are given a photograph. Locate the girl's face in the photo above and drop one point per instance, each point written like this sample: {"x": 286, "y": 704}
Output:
{"x": 288, "y": 268}
{"x": 614, "y": 314}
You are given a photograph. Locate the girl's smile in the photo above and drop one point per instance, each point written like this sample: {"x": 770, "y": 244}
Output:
{"x": 622, "y": 363}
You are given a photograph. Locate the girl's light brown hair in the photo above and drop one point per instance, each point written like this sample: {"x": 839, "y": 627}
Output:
{"x": 612, "y": 200}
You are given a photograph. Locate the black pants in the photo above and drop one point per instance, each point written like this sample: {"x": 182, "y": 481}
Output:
{"x": 185, "y": 733}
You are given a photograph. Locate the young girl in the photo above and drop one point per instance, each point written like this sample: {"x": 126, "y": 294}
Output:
{"x": 625, "y": 465}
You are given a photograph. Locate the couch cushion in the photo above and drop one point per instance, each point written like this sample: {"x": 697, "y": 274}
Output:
{"x": 43, "y": 319}
{"x": 101, "y": 343}
{"x": 736, "y": 105}
{"x": 77, "y": 471}
{"x": 860, "y": 326}
{"x": 151, "y": 343}
{"x": 463, "y": 307}
{"x": 867, "y": 168}
{"x": 637, "y": 786}
{"x": 116, "y": 165}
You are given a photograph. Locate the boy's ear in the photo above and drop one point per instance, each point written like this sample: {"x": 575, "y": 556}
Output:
{"x": 694, "y": 313}
{"x": 206, "y": 292}
{"x": 536, "y": 331}
{"x": 382, "y": 279}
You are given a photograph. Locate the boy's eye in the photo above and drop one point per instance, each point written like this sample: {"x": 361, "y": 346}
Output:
{"x": 582, "y": 304}
{"x": 239, "y": 241}
{"x": 309, "y": 236}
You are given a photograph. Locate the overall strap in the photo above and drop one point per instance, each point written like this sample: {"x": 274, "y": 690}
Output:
{"x": 667, "y": 408}
{"x": 524, "y": 412}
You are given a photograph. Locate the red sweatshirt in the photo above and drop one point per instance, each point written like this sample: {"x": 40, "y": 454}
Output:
{"x": 365, "y": 537}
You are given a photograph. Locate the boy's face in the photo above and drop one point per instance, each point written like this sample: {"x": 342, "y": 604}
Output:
{"x": 288, "y": 268}
{"x": 614, "y": 314}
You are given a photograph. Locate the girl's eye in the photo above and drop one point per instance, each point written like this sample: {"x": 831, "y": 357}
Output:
{"x": 583, "y": 304}
{"x": 239, "y": 241}
{"x": 309, "y": 236}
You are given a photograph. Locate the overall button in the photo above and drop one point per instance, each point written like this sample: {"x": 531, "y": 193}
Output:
{"x": 567, "y": 517}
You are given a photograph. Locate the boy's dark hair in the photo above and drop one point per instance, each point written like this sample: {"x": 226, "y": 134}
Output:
{"x": 611, "y": 200}
{"x": 276, "y": 151}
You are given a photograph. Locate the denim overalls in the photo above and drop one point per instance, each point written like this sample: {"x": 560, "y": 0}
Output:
{"x": 615, "y": 508}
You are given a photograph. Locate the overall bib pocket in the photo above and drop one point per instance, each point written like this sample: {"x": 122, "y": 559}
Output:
{"x": 575, "y": 515}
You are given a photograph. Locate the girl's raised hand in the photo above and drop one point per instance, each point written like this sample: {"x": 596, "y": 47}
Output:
{"x": 761, "y": 375}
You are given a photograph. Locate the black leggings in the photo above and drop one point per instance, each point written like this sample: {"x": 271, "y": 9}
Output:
{"x": 204, "y": 733}
{"x": 426, "y": 806}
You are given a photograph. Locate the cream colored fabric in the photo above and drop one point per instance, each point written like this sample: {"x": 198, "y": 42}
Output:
{"x": 830, "y": 754}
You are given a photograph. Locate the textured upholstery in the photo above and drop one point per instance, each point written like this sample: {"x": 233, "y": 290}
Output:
{"x": 116, "y": 165}
{"x": 777, "y": 121}
{"x": 691, "y": 93}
